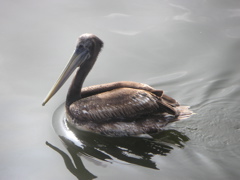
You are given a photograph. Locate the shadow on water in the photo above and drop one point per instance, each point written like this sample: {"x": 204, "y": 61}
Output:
{"x": 133, "y": 150}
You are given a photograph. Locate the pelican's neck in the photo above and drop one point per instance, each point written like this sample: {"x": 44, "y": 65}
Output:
{"x": 74, "y": 92}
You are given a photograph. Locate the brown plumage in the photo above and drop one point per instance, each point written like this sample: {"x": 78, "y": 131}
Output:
{"x": 114, "y": 109}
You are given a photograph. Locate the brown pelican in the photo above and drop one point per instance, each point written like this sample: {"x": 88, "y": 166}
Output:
{"x": 114, "y": 109}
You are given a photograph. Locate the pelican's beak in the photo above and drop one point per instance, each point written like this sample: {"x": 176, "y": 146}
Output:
{"x": 79, "y": 56}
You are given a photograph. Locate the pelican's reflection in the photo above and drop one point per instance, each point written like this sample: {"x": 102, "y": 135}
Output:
{"x": 77, "y": 168}
{"x": 132, "y": 150}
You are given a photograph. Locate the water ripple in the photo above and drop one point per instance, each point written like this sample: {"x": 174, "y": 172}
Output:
{"x": 168, "y": 78}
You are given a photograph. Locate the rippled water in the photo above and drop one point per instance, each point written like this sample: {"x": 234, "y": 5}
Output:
{"x": 189, "y": 49}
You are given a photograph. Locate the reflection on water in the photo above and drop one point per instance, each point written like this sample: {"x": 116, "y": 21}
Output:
{"x": 133, "y": 150}
{"x": 77, "y": 169}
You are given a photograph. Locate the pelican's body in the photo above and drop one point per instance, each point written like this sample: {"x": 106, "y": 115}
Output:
{"x": 114, "y": 109}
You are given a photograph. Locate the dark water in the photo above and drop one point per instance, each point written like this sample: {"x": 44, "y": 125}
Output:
{"x": 189, "y": 49}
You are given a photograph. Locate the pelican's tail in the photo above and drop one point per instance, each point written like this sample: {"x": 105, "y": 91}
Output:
{"x": 184, "y": 112}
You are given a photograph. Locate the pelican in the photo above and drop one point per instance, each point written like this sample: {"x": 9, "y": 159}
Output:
{"x": 114, "y": 109}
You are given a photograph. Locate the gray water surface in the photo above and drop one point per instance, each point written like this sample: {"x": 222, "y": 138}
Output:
{"x": 190, "y": 49}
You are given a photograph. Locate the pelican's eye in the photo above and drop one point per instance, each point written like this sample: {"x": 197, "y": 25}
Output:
{"x": 80, "y": 46}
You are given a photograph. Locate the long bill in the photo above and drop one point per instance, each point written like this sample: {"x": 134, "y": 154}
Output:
{"x": 76, "y": 60}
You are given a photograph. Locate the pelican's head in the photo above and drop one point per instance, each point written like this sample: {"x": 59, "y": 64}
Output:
{"x": 87, "y": 50}
{"x": 88, "y": 43}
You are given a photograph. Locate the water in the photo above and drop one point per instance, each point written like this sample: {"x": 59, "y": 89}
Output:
{"x": 189, "y": 49}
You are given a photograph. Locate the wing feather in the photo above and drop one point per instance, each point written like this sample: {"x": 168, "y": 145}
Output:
{"x": 117, "y": 104}
{"x": 97, "y": 89}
